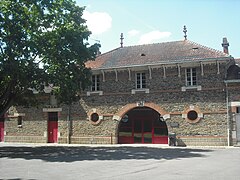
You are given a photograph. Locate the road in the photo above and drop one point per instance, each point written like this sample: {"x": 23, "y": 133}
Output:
{"x": 118, "y": 162}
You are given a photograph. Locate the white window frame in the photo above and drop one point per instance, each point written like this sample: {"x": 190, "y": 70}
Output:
{"x": 140, "y": 80}
{"x": 95, "y": 83}
{"x": 191, "y": 80}
{"x": 191, "y": 77}
{"x": 95, "y": 87}
{"x": 140, "y": 83}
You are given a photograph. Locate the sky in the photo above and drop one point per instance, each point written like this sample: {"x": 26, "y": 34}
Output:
{"x": 156, "y": 21}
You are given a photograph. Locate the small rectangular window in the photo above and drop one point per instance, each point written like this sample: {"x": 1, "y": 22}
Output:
{"x": 20, "y": 120}
{"x": 191, "y": 77}
{"x": 140, "y": 80}
{"x": 238, "y": 110}
{"x": 95, "y": 83}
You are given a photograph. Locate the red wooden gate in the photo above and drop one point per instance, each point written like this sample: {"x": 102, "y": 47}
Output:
{"x": 142, "y": 125}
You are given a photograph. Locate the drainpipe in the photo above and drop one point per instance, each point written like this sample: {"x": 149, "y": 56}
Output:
{"x": 228, "y": 123}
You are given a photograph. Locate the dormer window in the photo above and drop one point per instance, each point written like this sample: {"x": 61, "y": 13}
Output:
{"x": 191, "y": 77}
{"x": 140, "y": 80}
{"x": 95, "y": 83}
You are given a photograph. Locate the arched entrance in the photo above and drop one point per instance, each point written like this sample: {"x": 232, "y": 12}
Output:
{"x": 142, "y": 125}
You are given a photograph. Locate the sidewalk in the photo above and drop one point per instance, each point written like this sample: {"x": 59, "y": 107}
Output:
{"x": 3, "y": 144}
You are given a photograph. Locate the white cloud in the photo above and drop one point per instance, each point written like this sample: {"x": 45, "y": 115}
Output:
{"x": 98, "y": 22}
{"x": 133, "y": 32}
{"x": 153, "y": 36}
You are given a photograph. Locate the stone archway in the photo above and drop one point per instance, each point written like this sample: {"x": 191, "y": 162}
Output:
{"x": 142, "y": 124}
{"x": 118, "y": 116}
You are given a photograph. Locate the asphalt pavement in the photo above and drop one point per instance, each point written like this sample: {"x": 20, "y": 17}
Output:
{"x": 117, "y": 162}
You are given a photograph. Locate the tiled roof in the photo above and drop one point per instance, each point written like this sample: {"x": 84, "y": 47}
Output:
{"x": 152, "y": 54}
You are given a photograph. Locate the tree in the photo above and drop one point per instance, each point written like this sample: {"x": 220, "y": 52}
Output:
{"x": 41, "y": 42}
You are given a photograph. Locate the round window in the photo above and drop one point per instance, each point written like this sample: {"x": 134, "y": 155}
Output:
{"x": 94, "y": 117}
{"x": 192, "y": 115}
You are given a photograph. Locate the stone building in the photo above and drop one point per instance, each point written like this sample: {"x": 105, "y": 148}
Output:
{"x": 143, "y": 94}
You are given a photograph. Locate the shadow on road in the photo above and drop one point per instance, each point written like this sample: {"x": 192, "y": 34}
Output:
{"x": 72, "y": 154}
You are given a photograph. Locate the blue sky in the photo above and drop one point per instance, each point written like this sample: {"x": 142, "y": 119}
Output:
{"x": 155, "y": 21}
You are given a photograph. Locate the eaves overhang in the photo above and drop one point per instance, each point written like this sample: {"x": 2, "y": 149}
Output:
{"x": 165, "y": 63}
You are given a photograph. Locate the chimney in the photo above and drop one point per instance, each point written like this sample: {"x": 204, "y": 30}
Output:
{"x": 225, "y": 45}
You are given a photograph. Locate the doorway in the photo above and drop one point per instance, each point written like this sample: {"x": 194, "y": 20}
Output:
{"x": 52, "y": 127}
{"x": 142, "y": 125}
{"x": 1, "y": 129}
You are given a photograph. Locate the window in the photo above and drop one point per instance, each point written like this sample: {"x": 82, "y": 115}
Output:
{"x": 94, "y": 117}
{"x": 140, "y": 83}
{"x": 20, "y": 118}
{"x": 95, "y": 87}
{"x": 140, "y": 80}
{"x": 238, "y": 110}
{"x": 191, "y": 77}
{"x": 95, "y": 83}
{"x": 192, "y": 115}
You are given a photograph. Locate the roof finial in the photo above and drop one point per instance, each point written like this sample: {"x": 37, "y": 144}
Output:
{"x": 185, "y": 32}
{"x": 225, "y": 45}
{"x": 121, "y": 38}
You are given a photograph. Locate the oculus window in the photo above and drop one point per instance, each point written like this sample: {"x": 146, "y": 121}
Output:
{"x": 192, "y": 115}
{"x": 94, "y": 117}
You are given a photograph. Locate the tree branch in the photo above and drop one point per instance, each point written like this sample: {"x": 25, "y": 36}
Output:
{"x": 1, "y": 50}
{"x": 6, "y": 106}
{"x": 7, "y": 92}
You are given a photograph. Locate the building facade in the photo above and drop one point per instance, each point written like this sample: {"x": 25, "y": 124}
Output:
{"x": 142, "y": 94}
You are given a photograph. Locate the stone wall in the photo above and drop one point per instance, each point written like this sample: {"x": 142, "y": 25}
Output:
{"x": 167, "y": 94}
{"x": 32, "y": 130}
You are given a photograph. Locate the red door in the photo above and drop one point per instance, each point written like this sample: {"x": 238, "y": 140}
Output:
{"x": 160, "y": 132}
{"x": 142, "y": 130}
{"x": 52, "y": 127}
{"x": 1, "y": 131}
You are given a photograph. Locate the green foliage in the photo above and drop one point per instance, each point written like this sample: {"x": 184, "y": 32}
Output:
{"x": 42, "y": 41}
